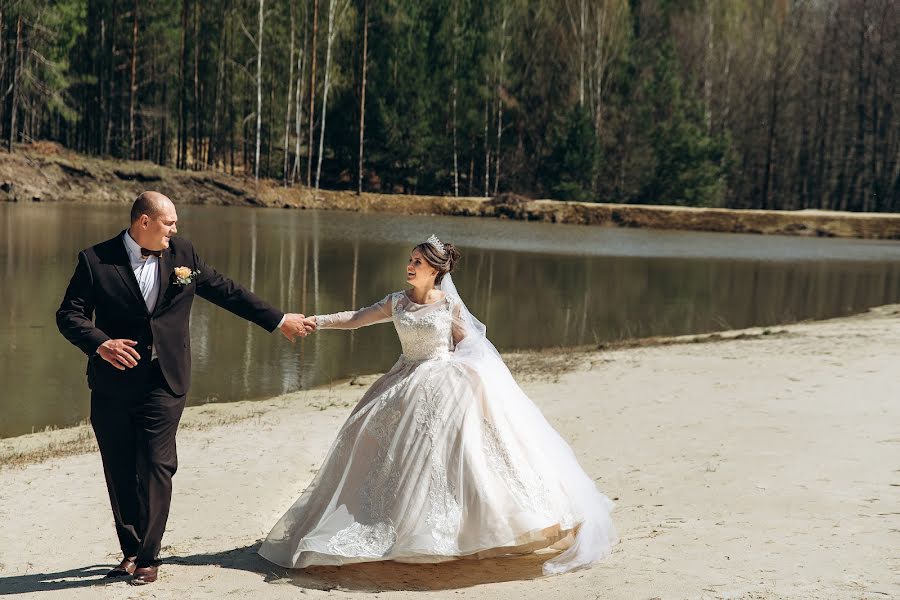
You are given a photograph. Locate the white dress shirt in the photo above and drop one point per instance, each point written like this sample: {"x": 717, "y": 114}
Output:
{"x": 146, "y": 271}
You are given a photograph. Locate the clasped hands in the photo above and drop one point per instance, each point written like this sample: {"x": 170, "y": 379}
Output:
{"x": 296, "y": 325}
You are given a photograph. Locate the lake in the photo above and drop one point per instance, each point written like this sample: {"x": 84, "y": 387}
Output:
{"x": 534, "y": 285}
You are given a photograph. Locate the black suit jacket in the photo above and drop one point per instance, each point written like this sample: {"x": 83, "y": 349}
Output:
{"x": 104, "y": 287}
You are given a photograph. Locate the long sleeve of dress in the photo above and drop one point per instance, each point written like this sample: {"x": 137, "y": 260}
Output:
{"x": 458, "y": 326}
{"x": 379, "y": 312}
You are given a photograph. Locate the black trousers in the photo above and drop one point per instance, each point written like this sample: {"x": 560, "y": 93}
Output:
{"x": 136, "y": 435}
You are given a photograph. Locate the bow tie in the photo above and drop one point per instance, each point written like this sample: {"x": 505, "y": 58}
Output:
{"x": 145, "y": 253}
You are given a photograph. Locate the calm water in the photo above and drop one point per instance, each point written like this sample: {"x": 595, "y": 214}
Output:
{"x": 534, "y": 285}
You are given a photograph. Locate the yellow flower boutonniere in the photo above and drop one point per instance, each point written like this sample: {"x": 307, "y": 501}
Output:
{"x": 184, "y": 275}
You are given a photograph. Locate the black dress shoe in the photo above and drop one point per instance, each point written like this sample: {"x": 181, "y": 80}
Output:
{"x": 144, "y": 575}
{"x": 125, "y": 568}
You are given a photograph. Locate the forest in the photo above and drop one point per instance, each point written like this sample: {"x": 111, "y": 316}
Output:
{"x": 768, "y": 104}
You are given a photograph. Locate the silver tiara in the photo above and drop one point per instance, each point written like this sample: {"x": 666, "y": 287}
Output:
{"x": 434, "y": 241}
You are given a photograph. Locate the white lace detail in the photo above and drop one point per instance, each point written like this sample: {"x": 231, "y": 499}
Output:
{"x": 326, "y": 321}
{"x": 380, "y": 488}
{"x": 530, "y": 492}
{"x": 444, "y": 511}
{"x": 363, "y": 540}
{"x": 424, "y": 329}
{"x": 377, "y": 493}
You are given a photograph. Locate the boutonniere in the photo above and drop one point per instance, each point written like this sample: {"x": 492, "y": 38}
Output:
{"x": 184, "y": 275}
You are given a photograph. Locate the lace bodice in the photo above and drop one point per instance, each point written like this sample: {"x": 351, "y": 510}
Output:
{"x": 426, "y": 331}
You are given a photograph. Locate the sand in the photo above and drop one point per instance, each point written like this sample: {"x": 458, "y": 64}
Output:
{"x": 754, "y": 466}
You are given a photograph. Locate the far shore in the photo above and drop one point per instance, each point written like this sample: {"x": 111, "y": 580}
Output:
{"x": 45, "y": 172}
{"x": 754, "y": 464}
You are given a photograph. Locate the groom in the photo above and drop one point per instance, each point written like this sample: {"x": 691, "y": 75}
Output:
{"x": 138, "y": 287}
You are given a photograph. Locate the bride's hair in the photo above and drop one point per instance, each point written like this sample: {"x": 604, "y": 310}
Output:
{"x": 444, "y": 261}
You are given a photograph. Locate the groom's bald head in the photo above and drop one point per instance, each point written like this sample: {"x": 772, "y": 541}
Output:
{"x": 153, "y": 221}
{"x": 151, "y": 204}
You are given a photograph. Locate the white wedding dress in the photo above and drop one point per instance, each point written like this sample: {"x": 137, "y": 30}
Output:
{"x": 444, "y": 457}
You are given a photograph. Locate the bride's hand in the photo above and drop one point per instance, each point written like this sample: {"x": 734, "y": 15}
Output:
{"x": 296, "y": 325}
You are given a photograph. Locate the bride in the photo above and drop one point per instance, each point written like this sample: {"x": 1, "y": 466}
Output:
{"x": 444, "y": 457}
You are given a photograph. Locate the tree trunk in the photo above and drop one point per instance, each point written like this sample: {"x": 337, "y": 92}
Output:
{"x": 111, "y": 78}
{"x": 162, "y": 151}
{"x": 259, "y": 46}
{"x": 301, "y": 89}
{"x": 857, "y": 185}
{"x": 362, "y": 101}
{"x": 500, "y": 92}
{"x": 774, "y": 107}
{"x": 453, "y": 94}
{"x": 196, "y": 162}
{"x": 269, "y": 130}
{"x": 96, "y": 131}
{"x": 487, "y": 148}
{"x": 312, "y": 93}
{"x": 133, "y": 86}
{"x": 330, "y": 39}
{"x": 182, "y": 95}
{"x": 229, "y": 86}
{"x": 287, "y": 104}
{"x": 2, "y": 64}
{"x": 707, "y": 70}
{"x": 216, "y": 144}
{"x": 581, "y": 44}
{"x": 816, "y": 175}
{"x": 17, "y": 66}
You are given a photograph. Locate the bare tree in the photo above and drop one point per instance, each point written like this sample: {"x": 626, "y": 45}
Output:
{"x": 17, "y": 67}
{"x": 111, "y": 78}
{"x": 487, "y": 147}
{"x": 500, "y": 67}
{"x": 312, "y": 92}
{"x": 610, "y": 36}
{"x": 578, "y": 24}
{"x": 182, "y": 95}
{"x": 215, "y": 144}
{"x": 287, "y": 104}
{"x": 298, "y": 103}
{"x": 196, "y": 162}
{"x": 329, "y": 41}
{"x": 453, "y": 93}
{"x": 133, "y": 87}
{"x": 259, "y": 49}
{"x": 2, "y": 59}
{"x": 362, "y": 100}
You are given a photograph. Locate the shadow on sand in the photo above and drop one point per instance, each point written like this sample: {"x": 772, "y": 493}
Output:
{"x": 378, "y": 576}
{"x": 80, "y": 577}
{"x": 361, "y": 577}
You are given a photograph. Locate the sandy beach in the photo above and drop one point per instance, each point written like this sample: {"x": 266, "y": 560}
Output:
{"x": 758, "y": 464}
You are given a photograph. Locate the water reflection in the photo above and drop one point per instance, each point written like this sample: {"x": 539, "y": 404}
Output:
{"x": 534, "y": 286}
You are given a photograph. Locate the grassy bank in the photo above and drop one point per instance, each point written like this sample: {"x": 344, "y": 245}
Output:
{"x": 47, "y": 173}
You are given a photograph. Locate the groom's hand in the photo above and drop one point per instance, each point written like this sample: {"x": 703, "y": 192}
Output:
{"x": 119, "y": 353}
{"x": 296, "y": 325}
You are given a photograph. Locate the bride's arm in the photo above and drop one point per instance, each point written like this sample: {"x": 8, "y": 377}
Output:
{"x": 457, "y": 329}
{"x": 379, "y": 312}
